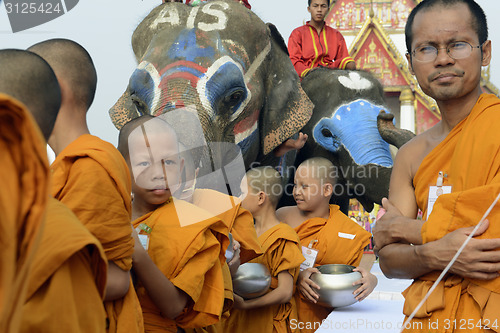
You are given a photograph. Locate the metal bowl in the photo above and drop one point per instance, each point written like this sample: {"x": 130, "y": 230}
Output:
{"x": 251, "y": 280}
{"x": 336, "y": 286}
{"x": 230, "y": 250}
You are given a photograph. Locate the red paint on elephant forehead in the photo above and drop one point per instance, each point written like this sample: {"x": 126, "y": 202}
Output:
{"x": 183, "y": 63}
{"x": 247, "y": 122}
{"x": 174, "y": 91}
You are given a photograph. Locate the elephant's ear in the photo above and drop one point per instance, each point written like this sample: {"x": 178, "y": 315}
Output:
{"x": 287, "y": 108}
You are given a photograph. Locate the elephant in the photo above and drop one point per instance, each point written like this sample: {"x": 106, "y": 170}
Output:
{"x": 348, "y": 128}
{"x": 222, "y": 63}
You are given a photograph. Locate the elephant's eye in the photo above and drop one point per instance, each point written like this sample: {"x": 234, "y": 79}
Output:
{"x": 140, "y": 106}
{"x": 234, "y": 98}
{"x": 326, "y": 133}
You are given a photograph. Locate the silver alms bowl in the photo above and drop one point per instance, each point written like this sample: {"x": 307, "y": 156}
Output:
{"x": 336, "y": 286}
{"x": 252, "y": 280}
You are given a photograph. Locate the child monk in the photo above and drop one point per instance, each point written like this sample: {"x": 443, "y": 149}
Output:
{"x": 66, "y": 282}
{"x": 24, "y": 163}
{"x": 179, "y": 267}
{"x": 333, "y": 237}
{"x": 282, "y": 256}
{"x": 92, "y": 179}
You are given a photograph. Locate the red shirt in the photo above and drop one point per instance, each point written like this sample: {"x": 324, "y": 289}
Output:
{"x": 308, "y": 49}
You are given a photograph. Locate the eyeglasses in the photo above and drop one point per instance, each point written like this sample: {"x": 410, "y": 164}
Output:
{"x": 456, "y": 50}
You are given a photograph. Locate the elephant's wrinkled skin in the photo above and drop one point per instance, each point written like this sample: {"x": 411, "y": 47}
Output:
{"x": 220, "y": 61}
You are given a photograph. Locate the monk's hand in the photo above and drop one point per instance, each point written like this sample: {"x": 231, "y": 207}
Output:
{"x": 235, "y": 262}
{"x": 367, "y": 283}
{"x": 388, "y": 228}
{"x": 291, "y": 144}
{"x": 480, "y": 258}
{"x": 239, "y": 302}
{"x": 306, "y": 285}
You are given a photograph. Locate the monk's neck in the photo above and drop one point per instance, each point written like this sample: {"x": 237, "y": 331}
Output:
{"x": 69, "y": 126}
{"x": 265, "y": 219}
{"x": 140, "y": 208}
{"x": 322, "y": 211}
{"x": 456, "y": 110}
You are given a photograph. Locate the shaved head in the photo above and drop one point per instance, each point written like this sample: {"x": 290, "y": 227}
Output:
{"x": 267, "y": 180}
{"x": 29, "y": 79}
{"x": 72, "y": 65}
{"x": 319, "y": 168}
{"x": 144, "y": 124}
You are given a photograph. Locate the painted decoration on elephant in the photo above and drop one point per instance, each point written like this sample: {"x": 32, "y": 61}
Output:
{"x": 214, "y": 10}
{"x": 351, "y": 124}
{"x": 373, "y": 56}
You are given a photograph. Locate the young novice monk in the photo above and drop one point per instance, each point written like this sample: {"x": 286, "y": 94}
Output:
{"x": 65, "y": 254}
{"x": 90, "y": 177}
{"x": 282, "y": 256}
{"x": 180, "y": 276}
{"x": 324, "y": 228}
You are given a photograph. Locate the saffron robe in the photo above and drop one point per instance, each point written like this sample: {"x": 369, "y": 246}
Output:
{"x": 68, "y": 279}
{"x": 238, "y": 220}
{"x": 240, "y": 224}
{"x": 333, "y": 248}
{"x": 91, "y": 177}
{"x": 24, "y": 192}
{"x": 192, "y": 257}
{"x": 281, "y": 253}
{"x": 470, "y": 158}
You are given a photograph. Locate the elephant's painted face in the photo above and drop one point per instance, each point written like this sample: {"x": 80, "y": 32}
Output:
{"x": 354, "y": 126}
{"x": 212, "y": 60}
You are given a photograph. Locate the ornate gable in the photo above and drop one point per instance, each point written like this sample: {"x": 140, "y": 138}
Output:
{"x": 348, "y": 16}
{"x": 374, "y": 51}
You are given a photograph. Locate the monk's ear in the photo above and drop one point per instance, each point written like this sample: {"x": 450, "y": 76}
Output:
{"x": 262, "y": 197}
{"x": 408, "y": 59}
{"x": 287, "y": 108}
{"x": 327, "y": 190}
{"x": 486, "y": 53}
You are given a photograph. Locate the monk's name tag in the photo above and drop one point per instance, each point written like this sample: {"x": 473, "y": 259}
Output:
{"x": 144, "y": 239}
{"x": 310, "y": 255}
{"x": 344, "y": 235}
{"x": 434, "y": 193}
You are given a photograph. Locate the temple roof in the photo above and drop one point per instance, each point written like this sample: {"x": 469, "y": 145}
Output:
{"x": 348, "y": 16}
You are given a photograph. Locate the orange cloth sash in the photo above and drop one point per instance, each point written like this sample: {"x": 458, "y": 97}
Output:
{"x": 332, "y": 249}
{"x": 68, "y": 278}
{"x": 470, "y": 156}
{"x": 237, "y": 219}
{"x": 191, "y": 258}
{"x": 91, "y": 177}
{"x": 23, "y": 197}
{"x": 281, "y": 253}
{"x": 240, "y": 224}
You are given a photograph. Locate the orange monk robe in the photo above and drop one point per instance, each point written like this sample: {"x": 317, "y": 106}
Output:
{"x": 470, "y": 158}
{"x": 334, "y": 246}
{"x": 23, "y": 197}
{"x": 240, "y": 224}
{"x": 91, "y": 177}
{"x": 281, "y": 253}
{"x": 238, "y": 220}
{"x": 190, "y": 256}
{"x": 68, "y": 279}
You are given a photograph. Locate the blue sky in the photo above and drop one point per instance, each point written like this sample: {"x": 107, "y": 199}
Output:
{"x": 105, "y": 28}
